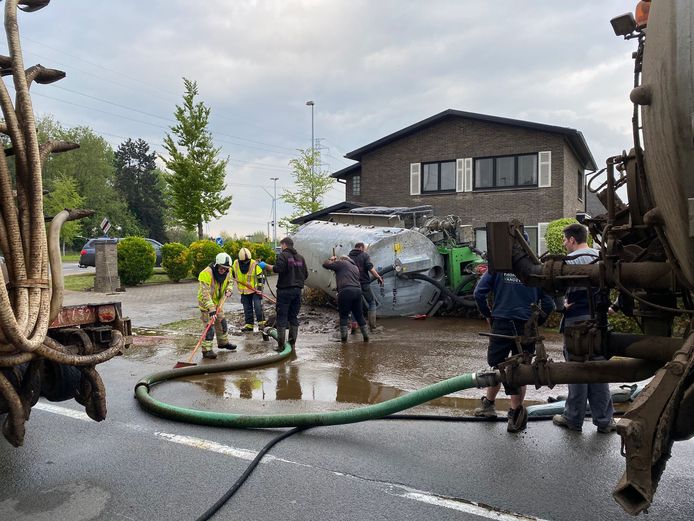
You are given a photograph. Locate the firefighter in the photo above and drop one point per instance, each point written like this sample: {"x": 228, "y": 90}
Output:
{"x": 246, "y": 272}
{"x": 213, "y": 284}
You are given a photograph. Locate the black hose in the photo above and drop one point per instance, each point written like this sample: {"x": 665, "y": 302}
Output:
{"x": 445, "y": 292}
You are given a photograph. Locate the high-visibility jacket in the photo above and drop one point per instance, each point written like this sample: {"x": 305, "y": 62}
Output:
{"x": 210, "y": 292}
{"x": 252, "y": 277}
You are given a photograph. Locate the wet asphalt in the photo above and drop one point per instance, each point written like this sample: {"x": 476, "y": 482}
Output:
{"x": 137, "y": 466}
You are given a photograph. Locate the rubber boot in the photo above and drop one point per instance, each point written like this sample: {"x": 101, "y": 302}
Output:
{"x": 344, "y": 333}
{"x": 372, "y": 319}
{"x": 293, "y": 333}
{"x": 281, "y": 339}
{"x": 365, "y": 332}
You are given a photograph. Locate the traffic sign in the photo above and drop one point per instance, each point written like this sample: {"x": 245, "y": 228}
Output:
{"x": 105, "y": 225}
{"x": 219, "y": 241}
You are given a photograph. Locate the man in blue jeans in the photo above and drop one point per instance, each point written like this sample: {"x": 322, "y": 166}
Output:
{"x": 510, "y": 311}
{"x": 577, "y": 309}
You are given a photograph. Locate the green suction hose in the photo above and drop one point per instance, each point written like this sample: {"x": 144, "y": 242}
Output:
{"x": 248, "y": 421}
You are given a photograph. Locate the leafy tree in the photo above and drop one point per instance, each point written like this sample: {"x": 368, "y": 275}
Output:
{"x": 91, "y": 166}
{"x": 138, "y": 179}
{"x": 63, "y": 193}
{"x": 136, "y": 259}
{"x": 195, "y": 177}
{"x": 312, "y": 184}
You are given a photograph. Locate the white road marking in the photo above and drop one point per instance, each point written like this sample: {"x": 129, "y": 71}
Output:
{"x": 460, "y": 505}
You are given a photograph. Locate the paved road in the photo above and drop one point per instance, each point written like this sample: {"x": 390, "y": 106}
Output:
{"x": 139, "y": 467}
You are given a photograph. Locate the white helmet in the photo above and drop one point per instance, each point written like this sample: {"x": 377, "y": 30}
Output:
{"x": 222, "y": 259}
{"x": 244, "y": 254}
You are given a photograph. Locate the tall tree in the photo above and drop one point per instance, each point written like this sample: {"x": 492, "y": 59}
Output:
{"x": 138, "y": 180}
{"x": 91, "y": 166}
{"x": 311, "y": 185}
{"x": 195, "y": 176}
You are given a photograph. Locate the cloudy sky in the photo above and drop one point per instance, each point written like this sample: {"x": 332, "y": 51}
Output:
{"x": 371, "y": 67}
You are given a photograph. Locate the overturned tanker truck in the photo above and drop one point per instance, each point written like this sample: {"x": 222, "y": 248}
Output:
{"x": 647, "y": 256}
{"x": 422, "y": 274}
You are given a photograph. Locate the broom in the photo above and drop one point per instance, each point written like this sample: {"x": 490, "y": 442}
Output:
{"x": 257, "y": 292}
{"x": 190, "y": 362}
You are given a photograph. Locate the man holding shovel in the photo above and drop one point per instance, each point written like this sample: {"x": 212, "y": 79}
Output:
{"x": 213, "y": 289}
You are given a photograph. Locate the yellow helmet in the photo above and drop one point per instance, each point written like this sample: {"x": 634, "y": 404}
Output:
{"x": 244, "y": 254}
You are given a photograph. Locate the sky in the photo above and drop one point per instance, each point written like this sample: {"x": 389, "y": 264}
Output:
{"x": 371, "y": 68}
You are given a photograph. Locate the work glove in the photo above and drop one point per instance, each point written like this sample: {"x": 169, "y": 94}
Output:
{"x": 259, "y": 287}
{"x": 229, "y": 293}
{"x": 262, "y": 265}
{"x": 212, "y": 313}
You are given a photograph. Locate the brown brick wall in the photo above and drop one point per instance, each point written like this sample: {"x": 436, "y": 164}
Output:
{"x": 385, "y": 172}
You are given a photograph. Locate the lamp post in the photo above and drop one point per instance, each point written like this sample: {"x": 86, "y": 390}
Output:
{"x": 313, "y": 158}
{"x": 274, "y": 213}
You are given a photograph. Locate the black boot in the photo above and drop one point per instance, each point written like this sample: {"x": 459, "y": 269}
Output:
{"x": 365, "y": 332}
{"x": 281, "y": 339}
{"x": 344, "y": 333}
{"x": 293, "y": 333}
{"x": 372, "y": 319}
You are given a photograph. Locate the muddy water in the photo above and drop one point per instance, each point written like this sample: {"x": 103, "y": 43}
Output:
{"x": 326, "y": 375}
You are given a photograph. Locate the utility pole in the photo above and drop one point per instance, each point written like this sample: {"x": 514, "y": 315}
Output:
{"x": 310, "y": 103}
{"x": 274, "y": 212}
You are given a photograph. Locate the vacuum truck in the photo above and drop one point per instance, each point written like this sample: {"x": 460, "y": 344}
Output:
{"x": 646, "y": 256}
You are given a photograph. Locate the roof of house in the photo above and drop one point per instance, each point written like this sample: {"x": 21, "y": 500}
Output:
{"x": 344, "y": 206}
{"x": 574, "y": 137}
{"x": 347, "y": 171}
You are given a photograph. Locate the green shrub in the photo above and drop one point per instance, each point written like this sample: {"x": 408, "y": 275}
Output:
{"x": 201, "y": 254}
{"x": 554, "y": 236}
{"x": 263, "y": 251}
{"x": 175, "y": 259}
{"x": 136, "y": 260}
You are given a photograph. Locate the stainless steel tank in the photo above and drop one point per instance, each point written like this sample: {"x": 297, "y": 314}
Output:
{"x": 668, "y": 123}
{"x": 412, "y": 251}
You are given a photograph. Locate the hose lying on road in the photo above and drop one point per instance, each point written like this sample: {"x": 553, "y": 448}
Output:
{"x": 218, "y": 419}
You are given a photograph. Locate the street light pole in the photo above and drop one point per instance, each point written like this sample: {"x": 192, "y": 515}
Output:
{"x": 310, "y": 103}
{"x": 274, "y": 212}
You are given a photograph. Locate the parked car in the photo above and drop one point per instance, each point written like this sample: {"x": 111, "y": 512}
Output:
{"x": 88, "y": 253}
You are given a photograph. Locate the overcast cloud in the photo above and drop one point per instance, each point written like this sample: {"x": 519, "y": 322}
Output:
{"x": 372, "y": 68}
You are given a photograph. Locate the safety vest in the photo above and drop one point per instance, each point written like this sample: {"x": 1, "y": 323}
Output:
{"x": 250, "y": 278}
{"x": 210, "y": 292}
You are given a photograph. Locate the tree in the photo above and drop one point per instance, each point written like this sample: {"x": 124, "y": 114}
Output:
{"x": 91, "y": 166}
{"x": 138, "y": 180}
{"x": 311, "y": 182}
{"x": 63, "y": 193}
{"x": 195, "y": 177}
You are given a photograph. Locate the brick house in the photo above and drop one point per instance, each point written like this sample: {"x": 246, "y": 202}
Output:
{"x": 482, "y": 168}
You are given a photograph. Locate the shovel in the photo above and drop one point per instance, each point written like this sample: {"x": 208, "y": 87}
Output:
{"x": 190, "y": 362}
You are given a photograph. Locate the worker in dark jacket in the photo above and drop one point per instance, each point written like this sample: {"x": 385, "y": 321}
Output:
{"x": 292, "y": 271}
{"x": 348, "y": 294}
{"x": 510, "y": 311}
{"x": 366, "y": 270}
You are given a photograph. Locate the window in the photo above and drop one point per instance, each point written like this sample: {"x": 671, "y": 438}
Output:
{"x": 532, "y": 236}
{"x": 438, "y": 177}
{"x": 505, "y": 172}
{"x": 580, "y": 185}
{"x": 481, "y": 239}
{"x": 356, "y": 185}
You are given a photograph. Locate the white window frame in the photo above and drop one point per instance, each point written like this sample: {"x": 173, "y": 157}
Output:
{"x": 544, "y": 169}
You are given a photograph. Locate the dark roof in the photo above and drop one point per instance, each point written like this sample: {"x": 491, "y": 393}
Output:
{"x": 347, "y": 171}
{"x": 344, "y": 206}
{"x": 574, "y": 137}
